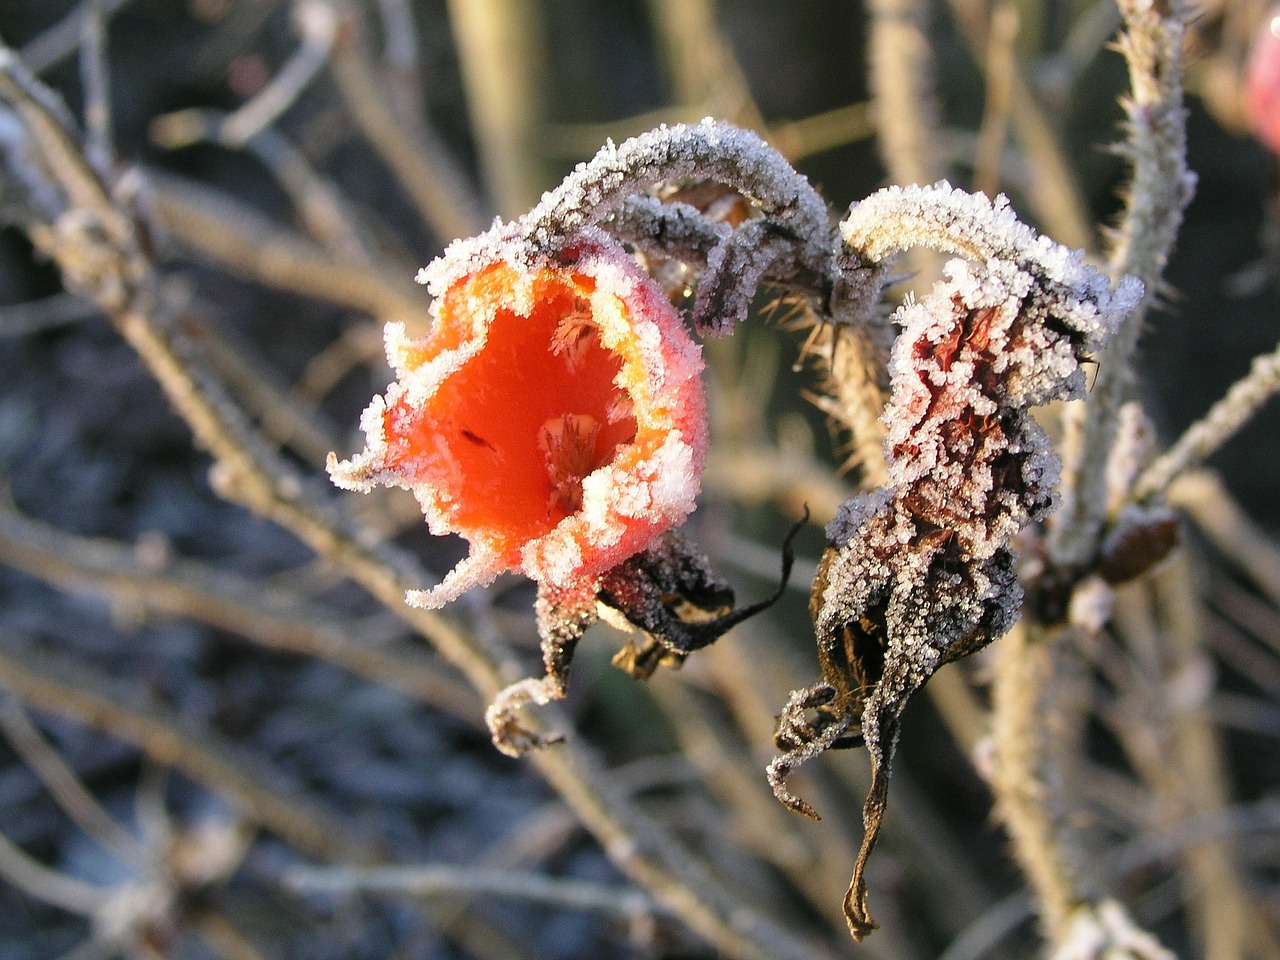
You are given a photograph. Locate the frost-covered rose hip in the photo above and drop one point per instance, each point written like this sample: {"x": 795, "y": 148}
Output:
{"x": 553, "y": 416}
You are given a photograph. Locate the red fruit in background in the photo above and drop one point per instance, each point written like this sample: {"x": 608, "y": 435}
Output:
{"x": 1262, "y": 83}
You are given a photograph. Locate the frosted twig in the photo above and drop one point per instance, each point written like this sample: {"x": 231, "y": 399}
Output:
{"x": 707, "y": 150}
{"x": 1105, "y": 929}
{"x": 1224, "y": 418}
{"x": 1160, "y": 189}
{"x": 318, "y": 26}
{"x": 449, "y": 880}
{"x": 69, "y": 689}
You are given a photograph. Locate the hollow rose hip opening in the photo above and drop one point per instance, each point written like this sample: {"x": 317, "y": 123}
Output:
{"x": 553, "y": 417}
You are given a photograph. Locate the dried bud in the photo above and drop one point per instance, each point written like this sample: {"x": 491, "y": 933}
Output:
{"x": 920, "y": 572}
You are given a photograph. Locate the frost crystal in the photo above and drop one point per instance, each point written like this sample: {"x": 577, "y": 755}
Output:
{"x": 920, "y": 572}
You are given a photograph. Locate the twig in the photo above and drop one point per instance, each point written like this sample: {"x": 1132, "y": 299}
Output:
{"x": 1186, "y": 771}
{"x": 1246, "y": 546}
{"x": 51, "y": 886}
{"x": 901, "y": 77}
{"x": 72, "y": 690}
{"x": 1001, "y": 65}
{"x": 705, "y": 76}
{"x": 823, "y": 131}
{"x": 447, "y": 880}
{"x": 187, "y": 588}
{"x": 243, "y": 241}
{"x": 437, "y": 186}
{"x": 327, "y": 217}
{"x": 63, "y": 784}
{"x": 285, "y": 418}
{"x": 61, "y": 40}
{"x": 95, "y": 74}
{"x": 1160, "y": 189}
{"x": 506, "y": 106}
{"x": 318, "y": 25}
{"x": 1202, "y": 438}
{"x": 1051, "y": 190}
{"x": 224, "y": 939}
{"x": 56, "y": 310}
{"x": 1027, "y": 803}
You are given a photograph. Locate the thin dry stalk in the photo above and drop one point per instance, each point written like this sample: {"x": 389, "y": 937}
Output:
{"x": 506, "y": 105}
{"x": 1245, "y": 397}
{"x": 705, "y": 75}
{"x": 1160, "y": 189}
{"x": 70, "y": 689}
{"x": 321, "y": 209}
{"x": 51, "y": 886}
{"x": 63, "y": 785}
{"x": 318, "y": 27}
{"x": 1228, "y": 919}
{"x": 97, "y": 86}
{"x": 220, "y": 228}
{"x": 436, "y": 185}
{"x": 449, "y": 881}
{"x": 187, "y": 588}
{"x": 222, "y": 937}
{"x": 1246, "y": 546}
{"x": 1000, "y": 68}
{"x": 905, "y": 103}
{"x": 1051, "y": 191}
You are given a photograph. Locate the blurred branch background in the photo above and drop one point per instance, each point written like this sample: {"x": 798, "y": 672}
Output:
{"x": 215, "y": 744}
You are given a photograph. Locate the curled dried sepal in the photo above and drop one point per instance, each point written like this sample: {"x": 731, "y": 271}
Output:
{"x": 920, "y": 572}
{"x": 667, "y": 591}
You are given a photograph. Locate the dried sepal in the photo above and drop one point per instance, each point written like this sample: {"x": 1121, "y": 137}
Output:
{"x": 920, "y": 572}
{"x": 563, "y": 616}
